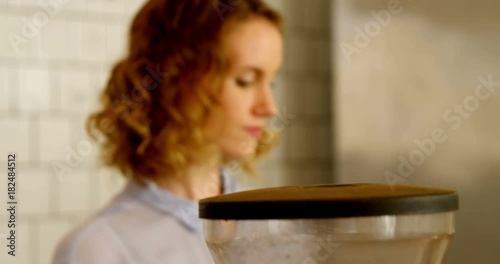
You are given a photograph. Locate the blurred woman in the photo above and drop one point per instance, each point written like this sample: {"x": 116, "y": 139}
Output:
{"x": 193, "y": 93}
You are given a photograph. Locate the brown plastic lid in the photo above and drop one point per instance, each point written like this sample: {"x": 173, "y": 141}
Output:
{"x": 329, "y": 201}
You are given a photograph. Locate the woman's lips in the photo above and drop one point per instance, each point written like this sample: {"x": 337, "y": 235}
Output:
{"x": 254, "y": 131}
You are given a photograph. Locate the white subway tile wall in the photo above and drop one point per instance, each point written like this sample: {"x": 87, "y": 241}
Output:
{"x": 316, "y": 14}
{"x": 7, "y": 22}
{"x": 34, "y": 88}
{"x": 74, "y": 91}
{"x": 97, "y": 81}
{"x": 309, "y": 140}
{"x": 34, "y": 189}
{"x": 54, "y": 61}
{"x": 54, "y": 139}
{"x": 76, "y": 5}
{"x": 4, "y": 88}
{"x": 315, "y": 101}
{"x": 94, "y": 41}
{"x": 26, "y": 246}
{"x": 16, "y": 136}
{"x": 54, "y": 44}
{"x": 74, "y": 38}
{"x": 304, "y": 88}
{"x": 50, "y": 231}
{"x": 108, "y": 183}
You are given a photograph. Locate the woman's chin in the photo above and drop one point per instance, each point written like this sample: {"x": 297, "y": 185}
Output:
{"x": 241, "y": 153}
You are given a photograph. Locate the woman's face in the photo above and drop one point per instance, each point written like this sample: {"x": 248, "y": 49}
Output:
{"x": 255, "y": 50}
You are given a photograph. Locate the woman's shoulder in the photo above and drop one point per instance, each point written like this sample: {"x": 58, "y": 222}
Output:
{"x": 86, "y": 242}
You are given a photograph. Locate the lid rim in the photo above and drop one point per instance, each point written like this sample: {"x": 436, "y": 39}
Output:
{"x": 339, "y": 209}
{"x": 329, "y": 201}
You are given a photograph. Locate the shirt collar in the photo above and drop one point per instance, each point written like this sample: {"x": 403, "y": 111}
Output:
{"x": 184, "y": 210}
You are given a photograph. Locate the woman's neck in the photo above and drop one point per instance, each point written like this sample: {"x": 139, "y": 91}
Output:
{"x": 195, "y": 182}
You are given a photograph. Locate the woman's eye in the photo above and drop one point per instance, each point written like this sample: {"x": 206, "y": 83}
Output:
{"x": 243, "y": 83}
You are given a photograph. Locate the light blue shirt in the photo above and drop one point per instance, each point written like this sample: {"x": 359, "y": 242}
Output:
{"x": 141, "y": 225}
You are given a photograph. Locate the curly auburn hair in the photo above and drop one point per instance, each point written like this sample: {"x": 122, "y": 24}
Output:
{"x": 158, "y": 97}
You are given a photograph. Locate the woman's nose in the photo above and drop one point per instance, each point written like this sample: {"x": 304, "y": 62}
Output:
{"x": 266, "y": 105}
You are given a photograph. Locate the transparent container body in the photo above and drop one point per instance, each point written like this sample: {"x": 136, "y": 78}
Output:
{"x": 402, "y": 239}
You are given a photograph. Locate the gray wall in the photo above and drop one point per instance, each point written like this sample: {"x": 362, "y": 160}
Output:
{"x": 402, "y": 83}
